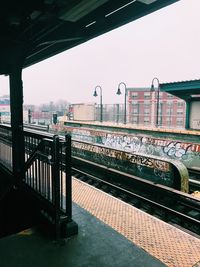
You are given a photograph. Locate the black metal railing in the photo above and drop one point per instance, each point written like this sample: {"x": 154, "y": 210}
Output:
{"x": 6, "y": 147}
{"x": 44, "y": 173}
{"x": 44, "y": 168}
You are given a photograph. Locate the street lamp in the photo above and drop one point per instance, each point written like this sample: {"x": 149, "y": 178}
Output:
{"x": 158, "y": 98}
{"x": 29, "y": 116}
{"x": 125, "y": 93}
{"x": 101, "y": 104}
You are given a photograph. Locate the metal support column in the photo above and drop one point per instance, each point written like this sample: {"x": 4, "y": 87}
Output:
{"x": 187, "y": 115}
{"x": 16, "y": 105}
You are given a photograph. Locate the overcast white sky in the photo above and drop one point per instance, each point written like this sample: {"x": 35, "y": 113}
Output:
{"x": 164, "y": 44}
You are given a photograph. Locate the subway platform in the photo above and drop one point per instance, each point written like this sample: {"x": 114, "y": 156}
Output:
{"x": 111, "y": 233}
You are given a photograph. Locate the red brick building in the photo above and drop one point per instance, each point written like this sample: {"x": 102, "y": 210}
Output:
{"x": 142, "y": 108}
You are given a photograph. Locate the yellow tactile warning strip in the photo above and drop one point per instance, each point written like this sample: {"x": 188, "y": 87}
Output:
{"x": 28, "y": 231}
{"x": 163, "y": 241}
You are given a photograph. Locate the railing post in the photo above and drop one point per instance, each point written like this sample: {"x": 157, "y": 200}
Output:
{"x": 71, "y": 226}
{"x": 56, "y": 183}
{"x": 68, "y": 177}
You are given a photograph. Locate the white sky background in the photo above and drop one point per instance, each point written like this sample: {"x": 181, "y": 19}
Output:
{"x": 164, "y": 44}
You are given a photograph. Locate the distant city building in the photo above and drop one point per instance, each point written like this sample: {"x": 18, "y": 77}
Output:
{"x": 5, "y": 108}
{"x": 83, "y": 112}
{"x": 41, "y": 117}
{"x": 38, "y": 117}
{"x": 142, "y": 108}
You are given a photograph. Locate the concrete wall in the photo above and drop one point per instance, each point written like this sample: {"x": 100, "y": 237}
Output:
{"x": 171, "y": 173}
{"x": 180, "y": 146}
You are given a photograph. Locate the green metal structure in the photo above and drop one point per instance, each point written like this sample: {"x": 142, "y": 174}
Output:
{"x": 186, "y": 90}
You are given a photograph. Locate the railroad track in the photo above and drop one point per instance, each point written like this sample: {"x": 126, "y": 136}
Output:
{"x": 194, "y": 185}
{"x": 172, "y": 206}
{"x": 194, "y": 179}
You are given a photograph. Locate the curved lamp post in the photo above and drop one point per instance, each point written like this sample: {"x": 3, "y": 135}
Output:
{"x": 125, "y": 93}
{"x": 101, "y": 104}
{"x": 158, "y": 98}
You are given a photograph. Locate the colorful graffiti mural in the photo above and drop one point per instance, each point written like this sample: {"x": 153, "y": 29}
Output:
{"x": 188, "y": 153}
{"x": 153, "y": 168}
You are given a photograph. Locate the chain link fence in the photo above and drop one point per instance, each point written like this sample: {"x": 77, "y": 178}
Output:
{"x": 168, "y": 115}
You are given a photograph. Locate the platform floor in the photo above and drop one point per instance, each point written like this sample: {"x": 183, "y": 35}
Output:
{"x": 111, "y": 234}
{"x": 170, "y": 245}
{"x": 96, "y": 245}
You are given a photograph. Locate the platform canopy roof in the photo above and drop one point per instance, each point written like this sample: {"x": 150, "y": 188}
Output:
{"x": 43, "y": 28}
{"x": 187, "y": 90}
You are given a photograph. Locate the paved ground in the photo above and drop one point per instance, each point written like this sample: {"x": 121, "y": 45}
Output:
{"x": 96, "y": 245}
{"x": 173, "y": 247}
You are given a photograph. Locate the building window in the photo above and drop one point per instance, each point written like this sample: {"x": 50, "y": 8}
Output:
{"x": 168, "y": 121}
{"x": 146, "y": 111}
{"x": 147, "y": 95}
{"x": 134, "y": 95}
{"x": 180, "y": 104}
{"x": 179, "y": 112}
{"x": 169, "y": 96}
{"x": 135, "y": 120}
{"x": 179, "y": 122}
{"x": 169, "y": 111}
{"x": 169, "y": 104}
{"x": 135, "y": 111}
{"x": 146, "y": 105}
{"x": 161, "y": 107}
{"x": 146, "y": 120}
